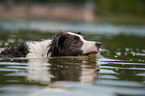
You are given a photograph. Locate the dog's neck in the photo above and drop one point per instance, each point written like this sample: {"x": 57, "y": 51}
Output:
{"x": 38, "y": 49}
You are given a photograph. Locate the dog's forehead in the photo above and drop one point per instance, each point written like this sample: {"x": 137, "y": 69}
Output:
{"x": 74, "y": 34}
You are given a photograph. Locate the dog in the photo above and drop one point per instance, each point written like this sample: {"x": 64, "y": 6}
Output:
{"x": 63, "y": 44}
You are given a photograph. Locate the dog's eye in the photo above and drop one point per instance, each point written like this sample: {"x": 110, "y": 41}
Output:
{"x": 76, "y": 42}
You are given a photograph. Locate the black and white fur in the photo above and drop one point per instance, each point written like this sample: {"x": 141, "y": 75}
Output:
{"x": 63, "y": 44}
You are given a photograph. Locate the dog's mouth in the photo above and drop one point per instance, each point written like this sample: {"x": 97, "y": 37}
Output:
{"x": 90, "y": 54}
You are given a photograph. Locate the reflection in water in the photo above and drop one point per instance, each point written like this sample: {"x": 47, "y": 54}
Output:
{"x": 39, "y": 71}
{"x": 45, "y": 71}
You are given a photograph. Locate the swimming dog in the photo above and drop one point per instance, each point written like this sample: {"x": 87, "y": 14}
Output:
{"x": 63, "y": 44}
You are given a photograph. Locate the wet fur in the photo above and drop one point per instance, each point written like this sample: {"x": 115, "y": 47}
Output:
{"x": 65, "y": 44}
{"x": 18, "y": 51}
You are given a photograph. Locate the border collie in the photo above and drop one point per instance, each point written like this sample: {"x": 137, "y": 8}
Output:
{"x": 63, "y": 44}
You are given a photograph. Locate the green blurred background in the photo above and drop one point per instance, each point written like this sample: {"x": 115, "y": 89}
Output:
{"x": 114, "y": 11}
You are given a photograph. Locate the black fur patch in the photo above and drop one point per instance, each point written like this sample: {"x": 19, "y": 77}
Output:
{"x": 65, "y": 44}
{"x": 19, "y": 51}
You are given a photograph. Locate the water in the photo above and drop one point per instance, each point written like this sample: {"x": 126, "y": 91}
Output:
{"x": 119, "y": 70}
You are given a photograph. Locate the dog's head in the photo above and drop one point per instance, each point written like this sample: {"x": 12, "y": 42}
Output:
{"x": 72, "y": 44}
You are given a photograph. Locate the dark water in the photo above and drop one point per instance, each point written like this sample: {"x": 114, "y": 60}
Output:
{"x": 119, "y": 69}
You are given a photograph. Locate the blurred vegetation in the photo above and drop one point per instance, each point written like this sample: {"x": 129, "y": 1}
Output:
{"x": 133, "y": 7}
{"x": 121, "y": 11}
{"x": 132, "y": 11}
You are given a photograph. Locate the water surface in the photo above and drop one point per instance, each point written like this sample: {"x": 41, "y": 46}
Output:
{"x": 119, "y": 69}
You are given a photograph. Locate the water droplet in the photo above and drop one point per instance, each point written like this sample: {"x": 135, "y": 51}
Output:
{"x": 125, "y": 53}
{"x": 133, "y": 53}
{"x": 115, "y": 56}
{"x": 118, "y": 53}
{"x": 127, "y": 49}
{"x": 11, "y": 59}
{"x": 6, "y": 44}
{"x": 143, "y": 50}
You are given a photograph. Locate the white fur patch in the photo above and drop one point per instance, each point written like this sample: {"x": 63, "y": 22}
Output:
{"x": 38, "y": 49}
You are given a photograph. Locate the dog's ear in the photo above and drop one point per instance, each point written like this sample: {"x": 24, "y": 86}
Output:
{"x": 59, "y": 39}
{"x": 62, "y": 38}
{"x": 56, "y": 47}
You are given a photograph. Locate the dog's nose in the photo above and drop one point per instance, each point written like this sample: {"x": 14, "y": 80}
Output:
{"x": 98, "y": 44}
